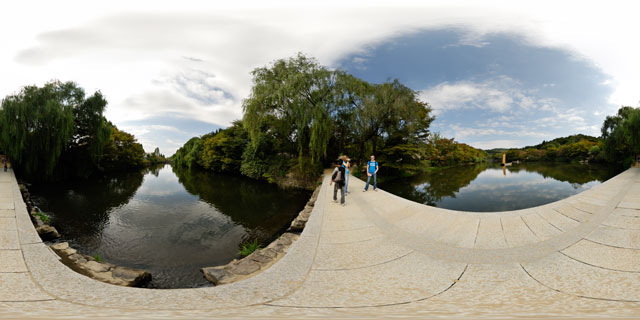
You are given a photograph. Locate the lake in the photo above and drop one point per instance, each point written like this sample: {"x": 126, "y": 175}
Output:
{"x": 174, "y": 222}
{"x": 168, "y": 222}
{"x": 489, "y": 187}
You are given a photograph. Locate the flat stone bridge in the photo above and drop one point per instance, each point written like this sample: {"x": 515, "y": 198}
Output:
{"x": 379, "y": 256}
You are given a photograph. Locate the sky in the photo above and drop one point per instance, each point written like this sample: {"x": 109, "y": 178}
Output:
{"x": 496, "y": 74}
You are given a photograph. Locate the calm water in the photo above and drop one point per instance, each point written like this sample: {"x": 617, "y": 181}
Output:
{"x": 169, "y": 223}
{"x": 488, "y": 187}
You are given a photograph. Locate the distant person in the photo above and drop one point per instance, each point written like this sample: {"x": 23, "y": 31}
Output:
{"x": 4, "y": 164}
{"x": 346, "y": 164}
{"x": 372, "y": 170}
{"x": 338, "y": 177}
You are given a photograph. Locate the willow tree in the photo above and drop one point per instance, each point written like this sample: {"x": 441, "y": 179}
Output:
{"x": 37, "y": 124}
{"x": 291, "y": 101}
{"x": 621, "y": 134}
{"x": 41, "y": 125}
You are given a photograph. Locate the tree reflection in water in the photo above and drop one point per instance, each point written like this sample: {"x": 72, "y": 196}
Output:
{"x": 169, "y": 223}
{"x": 488, "y": 187}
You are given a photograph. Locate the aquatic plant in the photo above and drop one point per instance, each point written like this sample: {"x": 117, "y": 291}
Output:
{"x": 248, "y": 247}
{"x": 45, "y": 218}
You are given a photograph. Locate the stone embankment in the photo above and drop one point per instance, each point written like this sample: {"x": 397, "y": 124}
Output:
{"x": 103, "y": 271}
{"x": 83, "y": 264}
{"x": 262, "y": 259}
{"x": 47, "y": 232}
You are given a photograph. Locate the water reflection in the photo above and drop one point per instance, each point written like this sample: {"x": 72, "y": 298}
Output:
{"x": 171, "y": 224}
{"x": 488, "y": 187}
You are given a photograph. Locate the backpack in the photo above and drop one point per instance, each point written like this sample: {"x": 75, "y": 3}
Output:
{"x": 338, "y": 176}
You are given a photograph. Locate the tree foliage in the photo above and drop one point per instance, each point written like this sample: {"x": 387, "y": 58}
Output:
{"x": 222, "y": 151}
{"x": 188, "y": 154}
{"x": 378, "y": 116}
{"x": 291, "y": 101}
{"x": 300, "y": 115}
{"x": 39, "y": 124}
{"x": 621, "y": 134}
{"x": 155, "y": 157}
{"x": 572, "y": 148}
{"x": 122, "y": 151}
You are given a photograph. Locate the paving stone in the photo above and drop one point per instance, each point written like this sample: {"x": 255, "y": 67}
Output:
{"x": 541, "y": 228}
{"x": 12, "y": 261}
{"x": 358, "y": 254}
{"x": 9, "y": 240}
{"x": 26, "y": 231}
{"x": 627, "y": 212}
{"x": 428, "y": 224}
{"x": 490, "y": 234}
{"x": 349, "y": 236}
{"x": 621, "y": 221}
{"x": 516, "y": 231}
{"x": 618, "y": 237}
{"x": 4, "y": 213}
{"x": 557, "y": 219}
{"x": 19, "y": 287}
{"x": 410, "y": 278}
{"x": 7, "y": 224}
{"x": 6, "y": 206}
{"x": 567, "y": 275}
{"x": 574, "y": 213}
{"x": 421, "y": 266}
{"x": 462, "y": 233}
{"x": 605, "y": 256}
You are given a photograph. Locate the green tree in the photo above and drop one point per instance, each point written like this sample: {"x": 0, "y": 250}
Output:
{"x": 382, "y": 115}
{"x": 291, "y": 101}
{"x": 223, "y": 150}
{"x": 83, "y": 154}
{"x": 621, "y": 134}
{"x": 54, "y": 128}
{"x": 91, "y": 129}
{"x": 37, "y": 124}
{"x": 122, "y": 151}
{"x": 189, "y": 154}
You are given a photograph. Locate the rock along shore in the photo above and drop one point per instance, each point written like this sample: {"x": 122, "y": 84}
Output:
{"x": 83, "y": 264}
{"x": 261, "y": 259}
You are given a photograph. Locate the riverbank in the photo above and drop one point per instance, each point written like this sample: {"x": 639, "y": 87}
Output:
{"x": 262, "y": 259}
{"x": 86, "y": 265}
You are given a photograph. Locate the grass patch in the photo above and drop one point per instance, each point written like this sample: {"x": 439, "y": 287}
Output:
{"x": 248, "y": 247}
{"x": 45, "y": 218}
{"x": 97, "y": 257}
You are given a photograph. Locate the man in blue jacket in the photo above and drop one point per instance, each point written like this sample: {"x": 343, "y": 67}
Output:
{"x": 372, "y": 170}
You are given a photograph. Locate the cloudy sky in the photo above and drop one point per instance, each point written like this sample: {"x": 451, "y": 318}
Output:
{"x": 500, "y": 74}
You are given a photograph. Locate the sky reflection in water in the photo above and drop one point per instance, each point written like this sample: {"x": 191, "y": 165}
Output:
{"x": 169, "y": 222}
{"x": 485, "y": 188}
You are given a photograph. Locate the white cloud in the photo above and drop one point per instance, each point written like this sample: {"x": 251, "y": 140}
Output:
{"x": 501, "y": 94}
{"x": 192, "y": 59}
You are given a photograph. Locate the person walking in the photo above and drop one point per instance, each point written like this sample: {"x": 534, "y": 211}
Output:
{"x": 372, "y": 170}
{"x": 4, "y": 163}
{"x": 346, "y": 164}
{"x": 338, "y": 177}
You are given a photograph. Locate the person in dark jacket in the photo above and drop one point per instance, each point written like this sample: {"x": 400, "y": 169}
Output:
{"x": 338, "y": 177}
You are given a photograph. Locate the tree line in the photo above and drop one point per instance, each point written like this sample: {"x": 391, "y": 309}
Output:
{"x": 56, "y": 132}
{"x": 300, "y": 116}
{"x": 618, "y": 144}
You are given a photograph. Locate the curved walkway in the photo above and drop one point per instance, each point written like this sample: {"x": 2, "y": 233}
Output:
{"x": 380, "y": 255}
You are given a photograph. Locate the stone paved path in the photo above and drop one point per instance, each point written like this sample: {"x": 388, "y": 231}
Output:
{"x": 379, "y": 256}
